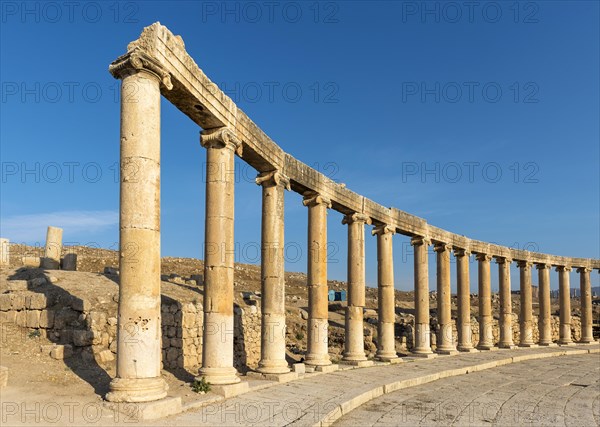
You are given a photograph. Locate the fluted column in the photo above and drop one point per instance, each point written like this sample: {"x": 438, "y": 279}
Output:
{"x": 445, "y": 342}
{"x": 422, "y": 344}
{"x": 219, "y": 255}
{"x": 486, "y": 340}
{"x": 505, "y": 323}
{"x": 544, "y": 320}
{"x": 586, "y": 304}
{"x": 463, "y": 291}
{"x": 318, "y": 306}
{"x": 354, "y": 346}
{"x": 564, "y": 296}
{"x": 386, "y": 340}
{"x": 272, "y": 344}
{"x": 526, "y": 315}
{"x": 138, "y": 377}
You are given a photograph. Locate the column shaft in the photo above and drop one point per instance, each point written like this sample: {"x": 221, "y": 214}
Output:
{"x": 486, "y": 340}
{"x": 445, "y": 341}
{"x": 422, "y": 344}
{"x": 544, "y": 320}
{"x": 53, "y": 250}
{"x": 386, "y": 337}
{"x": 4, "y": 252}
{"x": 463, "y": 290}
{"x": 564, "y": 296}
{"x": 586, "y": 305}
{"x": 506, "y": 330}
{"x": 526, "y": 315}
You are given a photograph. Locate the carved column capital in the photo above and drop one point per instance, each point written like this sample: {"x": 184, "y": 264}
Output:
{"x": 483, "y": 257}
{"x": 563, "y": 268}
{"x": 312, "y": 198}
{"x": 221, "y": 137}
{"x": 584, "y": 270}
{"x": 442, "y": 247}
{"x": 503, "y": 260}
{"x": 461, "y": 252}
{"x": 524, "y": 264}
{"x": 356, "y": 217}
{"x": 272, "y": 179}
{"x": 137, "y": 60}
{"x": 380, "y": 230}
{"x": 543, "y": 265}
{"x": 420, "y": 240}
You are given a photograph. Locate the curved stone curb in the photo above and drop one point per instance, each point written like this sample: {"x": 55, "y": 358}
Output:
{"x": 353, "y": 402}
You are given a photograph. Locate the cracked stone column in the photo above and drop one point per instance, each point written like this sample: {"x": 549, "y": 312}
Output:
{"x": 445, "y": 342}
{"x": 586, "y": 304}
{"x": 564, "y": 296}
{"x": 463, "y": 291}
{"x": 386, "y": 341}
{"x": 4, "y": 252}
{"x": 486, "y": 340}
{"x": 53, "y": 250}
{"x": 505, "y": 323}
{"x": 138, "y": 377}
{"x": 526, "y": 315}
{"x": 422, "y": 345}
{"x": 317, "y": 353}
{"x": 544, "y": 320}
{"x": 272, "y": 346}
{"x": 354, "y": 345}
{"x": 219, "y": 256}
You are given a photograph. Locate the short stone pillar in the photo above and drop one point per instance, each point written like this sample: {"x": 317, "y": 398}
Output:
{"x": 354, "y": 346}
{"x": 219, "y": 257}
{"x": 422, "y": 344}
{"x": 317, "y": 352}
{"x": 4, "y": 252}
{"x": 445, "y": 342}
{"x": 586, "y": 305}
{"x": 564, "y": 297}
{"x": 526, "y": 315}
{"x": 544, "y": 319}
{"x": 272, "y": 345}
{"x": 69, "y": 262}
{"x": 463, "y": 291}
{"x": 53, "y": 251}
{"x": 505, "y": 323}
{"x": 386, "y": 341}
{"x": 138, "y": 377}
{"x": 486, "y": 339}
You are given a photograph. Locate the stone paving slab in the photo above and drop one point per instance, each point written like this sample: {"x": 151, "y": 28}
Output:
{"x": 320, "y": 400}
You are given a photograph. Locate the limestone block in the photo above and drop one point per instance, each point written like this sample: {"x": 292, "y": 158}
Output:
{"x": 78, "y": 304}
{"x": 188, "y": 320}
{"x": 3, "y": 376}
{"x": 33, "y": 319}
{"x": 69, "y": 262}
{"x": 82, "y": 338}
{"x": 61, "y": 352}
{"x": 36, "y": 301}
{"x": 37, "y": 281}
{"x": 8, "y": 316}
{"x": 105, "y": 356}
{"x": 31, "y": 261}
{"x": 47, "y": 319}
{"x": 16, "y": 285}
{"x": 5, "y": 302}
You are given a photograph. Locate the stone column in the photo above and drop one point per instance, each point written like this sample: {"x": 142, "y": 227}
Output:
{"x": 463, "y": 291}
{"x": 586, "y": 305}
{"x": 219, "y": 256}
{"x": 526, "y": 315}
{"x": 544, "y": 321}
{"x": 505, "y": 323}
{"x": 318, "y": 306}
{"x": 564, "y": 296}
{"x": 272, "y": 346}
{"x": 52, "y": 254}
{"x": 354, "y": 346}
{"x": 386, "y": 337}
{"x": 486, "y": 339}
{"x": 138, "y": 377}
{"x": 445, "y": 341}
{"x": 4, "y": 252}
{"x": 422, "y": 344}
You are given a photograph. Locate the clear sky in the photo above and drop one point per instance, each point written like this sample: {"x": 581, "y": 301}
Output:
{"x": 481, "y": 117}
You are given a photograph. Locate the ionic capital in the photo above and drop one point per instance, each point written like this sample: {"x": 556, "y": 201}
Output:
{"x": 503, "y": 260}
{"x": 483, "y": 257}
{"x": 524, "y": 264}
{"x": 584, "y": 270}
{"x": 380, "y": 230}
{"x": 312, "y": 198}
{"x": 543, "y": 265}
{"x": 137, "y": 60}
{"x": 563, "y": 268}
{"x": 420, "y": 240}
{"x": 221, "y": 137}
{"x": 272, "y": 179}
{"x": 442, "y": 247}
{"x": 460, "y": 252}
{"x": 356, "y": 217}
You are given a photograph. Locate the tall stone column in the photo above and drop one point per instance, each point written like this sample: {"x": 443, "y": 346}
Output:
{"x": 586, "y": 304}
{"x": 354, "y": 348}
{"x": 506, "y": 330}
{"x": 526, "y": 315}
{"x": 219, "y": 257}
{"x": 4, "y": 252}
{"x": 463, "y": 291}
{"x": 318, "y": 307}
{"x": 422, "y": 344}
{"x": 544, "y": 320}
{"x": 486, "y": 339}
{"x": 272, "y": 345}
{"x": 53, "y": 250}
{"x": 138, "y": 377}
{"x": 386, "y": 340}
{"x": 445, "y": 341}
{"x": 564, "y": 296}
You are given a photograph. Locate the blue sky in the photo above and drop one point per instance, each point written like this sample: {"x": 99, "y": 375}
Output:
{"x": 484, "y": 121}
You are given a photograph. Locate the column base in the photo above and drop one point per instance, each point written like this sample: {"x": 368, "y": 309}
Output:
{"x": 317, "y": 360}
{"x": 506, "y": 344}
{"x": 230, "y": 390}
{"x": 565, "y": 343}
{"x": 327, "y": 368}
{"x": 386, "y": 357}
{"x": 446, "y": 351}
{"x": 424, "y": 355}
{"x": 467, "y": 350}
{"x": 219, "y": 376}
{"x": 280, "y": 378}
{"x": 135, "y": 390}
{"x": 486, "y": 347}
{"x": 273, "y": 367}
{"x": 586, "y": 341}
{"x": 527, "y": 345}
{"x": 354, "y": 357}
{"x": 548, "y": 344}
{"x": 358, "y": 363}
